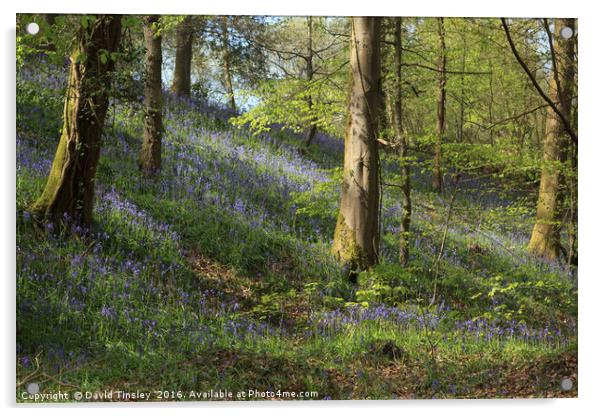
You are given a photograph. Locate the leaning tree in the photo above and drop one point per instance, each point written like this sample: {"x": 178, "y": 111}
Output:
{"x": 69, "y": 189}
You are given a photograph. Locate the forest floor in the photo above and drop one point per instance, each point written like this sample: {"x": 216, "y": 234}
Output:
{"x": 217, "y": 276}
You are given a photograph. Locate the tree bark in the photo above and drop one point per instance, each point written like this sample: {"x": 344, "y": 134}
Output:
{"x": 573, "y": 190}
{"x": 545, "y": 238}
{"x": 181, "y": 79}
{"x": 69, "y": 190}
{"x": 311, "y": 131}
{"x": 406, "y": 209}
{"x": 150, "y": 155}
{"x": 437, "y": 179}
{"x": 226, "y": 62}
{"x": 572, "y": 207}
{"x": 356, "y": 235}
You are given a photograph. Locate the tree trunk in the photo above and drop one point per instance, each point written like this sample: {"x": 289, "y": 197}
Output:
{"x": 573, "y": 191}
{"x": 406, "y": 209}
{"x": 181, "y": 77}
{"x": 386, "y": 117}
{"x": 227, "y": 69}
{"x": 48, "y": 21}
{"x": 311, "y": 131}
{"x": 356, "y": 235}
{"x": 69, "y": 189}
{"x": 460, "y": 134}
{"x": 437, "y": 180}
{"x": 490, "y": 103}
{"x": 572, "y": 206}
{"x": 150, "y": 155}
{"x": 385, "y": 100}
{"x": 545, "y": 238}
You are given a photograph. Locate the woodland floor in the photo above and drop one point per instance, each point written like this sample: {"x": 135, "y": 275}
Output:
{"x": 218, "y": 275}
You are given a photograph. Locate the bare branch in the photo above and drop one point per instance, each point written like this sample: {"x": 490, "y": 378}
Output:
{"x": 565, "y": 121}
{"x": 447, "y": 71}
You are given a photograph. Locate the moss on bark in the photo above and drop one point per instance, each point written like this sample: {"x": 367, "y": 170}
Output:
{"x": 70, "y": 186}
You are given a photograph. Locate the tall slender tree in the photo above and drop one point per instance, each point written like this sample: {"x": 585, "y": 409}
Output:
{"x": 150, "y": 155}
{"x": 572, "y": 196}
{"x": 406, "y": 213}
{"x": 309, "y": 58}
{"x": 48, "y": 20}
{"x": 70, "y": 186}
{"x": 184, "y": 38}
{"x": 227, "y": 64}
{"x": 545, "y": 238}
{"x": 462, "y": 110}
{"x": 437, "y": 180}
{"x": 356, "y": 235}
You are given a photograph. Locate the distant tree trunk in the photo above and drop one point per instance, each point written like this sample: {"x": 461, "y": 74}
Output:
{"x": 545, "y": 238}
{"x": 226, "y": 62}
{"x": 181, "y": 78}
{"x": 460, "y": 130}
{"x": 70, "y": 186}
{"x": 385, "y": 118}
{"x": 150, "y": 155}
{"x": 490, "y": 102}
{"x": 356, "y": 235}
{"x": 311, "y": 131}
{"x": 385, "y": 88}
{"x": 437, "y": 180}
{"x": 49, "y": 20}
{"x": 406, "y": 209}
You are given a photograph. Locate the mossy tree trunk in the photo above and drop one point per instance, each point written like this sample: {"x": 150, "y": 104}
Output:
{"x": 181, "y": 76}
{"x": 150, "y": 155}
{"x": 356, "y": 235}
{"x": 437, "y": 179}
{"x": 406, "y": 189}
{"x": 573, "y": 190}
{"x": 69, "y": 189}
{"x": 545, "y": 238}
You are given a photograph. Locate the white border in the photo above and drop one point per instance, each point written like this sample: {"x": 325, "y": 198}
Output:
{"x": 589, "y": 190}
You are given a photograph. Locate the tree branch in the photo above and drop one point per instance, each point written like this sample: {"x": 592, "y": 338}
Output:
{"x": 565, "y": 121}
{"x": 430, "y": 68}
{"x": 553, "y": 53}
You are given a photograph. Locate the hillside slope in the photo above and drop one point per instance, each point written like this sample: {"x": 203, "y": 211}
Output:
{"x": 219, "y": 276}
